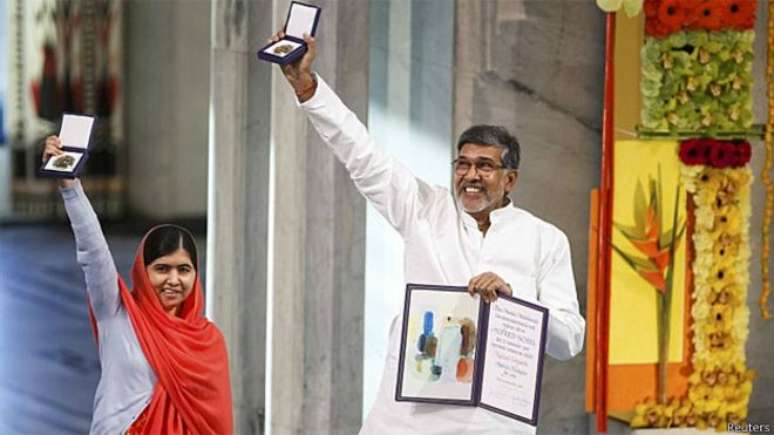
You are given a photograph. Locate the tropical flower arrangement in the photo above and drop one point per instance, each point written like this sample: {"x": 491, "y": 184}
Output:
{"x": 697, "y": 81}
{"x": 720, "y": 385}
{"x": 654, "y": 259}
{"x": 665, "y": 17}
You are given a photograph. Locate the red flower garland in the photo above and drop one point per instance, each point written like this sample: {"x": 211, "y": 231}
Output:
{"x": 709, "y": 15}
{"x": 740, "y": 14}
{"x": 715, "y": 153}
{"x": 664, "y": 17}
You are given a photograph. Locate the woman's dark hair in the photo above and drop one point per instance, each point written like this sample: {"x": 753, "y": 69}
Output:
{"x": 166, "y": 239}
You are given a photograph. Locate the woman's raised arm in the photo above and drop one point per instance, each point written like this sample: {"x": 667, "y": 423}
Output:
{"x": 92, "y": 249}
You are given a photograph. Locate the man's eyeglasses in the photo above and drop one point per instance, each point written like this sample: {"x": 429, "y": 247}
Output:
{"x": 484, "y": 167}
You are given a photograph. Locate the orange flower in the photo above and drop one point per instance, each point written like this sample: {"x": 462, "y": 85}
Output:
{"x": 654, "y": 277}
{"x": 709, "y": 15}
{"x": 671, "y": 14}
{"x": 647, "y": 237}
{"x": 740, "y": 14}
{"x": 655, "y": 29}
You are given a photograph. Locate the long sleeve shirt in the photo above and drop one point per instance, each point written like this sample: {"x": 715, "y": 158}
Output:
{"x": 444, "y": 246}
{"x": 126, "y": 384}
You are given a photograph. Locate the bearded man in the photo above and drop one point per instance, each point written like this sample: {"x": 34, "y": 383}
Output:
{"x": 474, "y": 236}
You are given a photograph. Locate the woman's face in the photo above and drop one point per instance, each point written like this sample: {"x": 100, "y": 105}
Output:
{"x": 172, "y": 277}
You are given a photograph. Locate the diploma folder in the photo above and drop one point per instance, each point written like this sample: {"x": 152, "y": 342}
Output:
{"x": 302, "y": 18}
{"x": 459, "y": 350}
{"x": 75, "y": 134}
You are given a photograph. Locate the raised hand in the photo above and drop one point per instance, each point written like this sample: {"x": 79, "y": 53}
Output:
{"x": 299, "y": 73}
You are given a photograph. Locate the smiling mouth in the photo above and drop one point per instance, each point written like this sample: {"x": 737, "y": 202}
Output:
{"x": 170, "y": 292}
{"x": 472, "y": 190}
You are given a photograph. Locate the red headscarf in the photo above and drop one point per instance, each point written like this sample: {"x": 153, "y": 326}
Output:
{"x": 188, "y": 354}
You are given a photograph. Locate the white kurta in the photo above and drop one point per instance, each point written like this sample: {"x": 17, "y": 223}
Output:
{"x": 444, "y": 246}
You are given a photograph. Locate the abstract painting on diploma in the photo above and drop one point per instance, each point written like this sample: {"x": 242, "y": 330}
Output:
{"x": 439, "y": 344}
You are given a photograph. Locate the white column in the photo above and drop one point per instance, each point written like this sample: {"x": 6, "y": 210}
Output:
{"x": 238, "y": 201}
{"x": 319, "y": 244}
{"x": 297, "y": 250}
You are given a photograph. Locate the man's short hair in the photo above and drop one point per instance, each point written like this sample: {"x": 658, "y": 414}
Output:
{"x": 493, "y": 135}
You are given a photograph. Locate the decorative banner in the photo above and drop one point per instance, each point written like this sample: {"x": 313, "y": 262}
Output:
{"x": 683, "y": 260}
{"x": 720, "y": 385}
{"x": 646, "y": 174}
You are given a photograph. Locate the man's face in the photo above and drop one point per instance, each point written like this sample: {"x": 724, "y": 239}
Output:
{"x": 483, "y": 187}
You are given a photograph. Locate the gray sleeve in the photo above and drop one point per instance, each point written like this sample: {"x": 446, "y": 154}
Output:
{"x": 92, "y": 253}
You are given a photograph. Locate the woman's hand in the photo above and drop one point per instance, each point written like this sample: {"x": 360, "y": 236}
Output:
{"x": 299, "y": 73}
{"x": 53, "y": 147}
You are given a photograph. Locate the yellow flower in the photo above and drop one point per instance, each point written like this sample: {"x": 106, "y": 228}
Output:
{"x": 690, "y": 174}
{"x": 721, "y": 316}
{"x": 710, "y": 179}
{"x": 741, "y": 177}
{"x": 739, "y": 326}
{"x": 726, "y": 296}
{"x": 718, "y": 423}
{"x": 705, "y": 218}
{"x": 699, "y": 395}
{"x": 638, "y": 421}
{"x": 725, "y": 252}
{"x": 722, "y": 276}
{"x": 728, "y": 220}
{"x": 700, "y": 310}
{"x": 681, "y": 414}
{"x": 707, "y": 191}
{"x": 720, "y": 384}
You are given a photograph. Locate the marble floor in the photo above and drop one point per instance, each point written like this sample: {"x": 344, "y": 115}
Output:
{"x": 49, "y": 366}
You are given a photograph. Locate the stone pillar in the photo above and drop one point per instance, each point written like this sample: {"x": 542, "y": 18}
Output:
{"x": 284, "y": 216}
{"x": 167, "y": 81}
{"x": 238, "y": 202}
{"x": 318, "y": 244}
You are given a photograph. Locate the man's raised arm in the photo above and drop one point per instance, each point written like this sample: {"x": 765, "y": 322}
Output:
{"x": 391, "y": 187}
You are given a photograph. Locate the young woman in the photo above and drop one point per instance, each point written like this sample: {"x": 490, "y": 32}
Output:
{"x": 164, "y": 366}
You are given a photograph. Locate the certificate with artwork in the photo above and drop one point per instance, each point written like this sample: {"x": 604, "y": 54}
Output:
{"x": 75, "y": 135}
{"x": 460, "y": 350}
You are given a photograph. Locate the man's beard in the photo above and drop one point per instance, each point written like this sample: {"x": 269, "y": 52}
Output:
{"x": 480, "y": 205}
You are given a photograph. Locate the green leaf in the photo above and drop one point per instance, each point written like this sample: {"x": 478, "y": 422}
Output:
{"x": 650, "y": 88}
{"x": 635, "y": 263}
{"x": 697, "y": 39}
{"x": 714, "y": 46}
{"x": 650, "y": 52}
{"x": 609, "y": 5}
{"x": 678, "y": 40}
{"x": 632, "y": 7}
